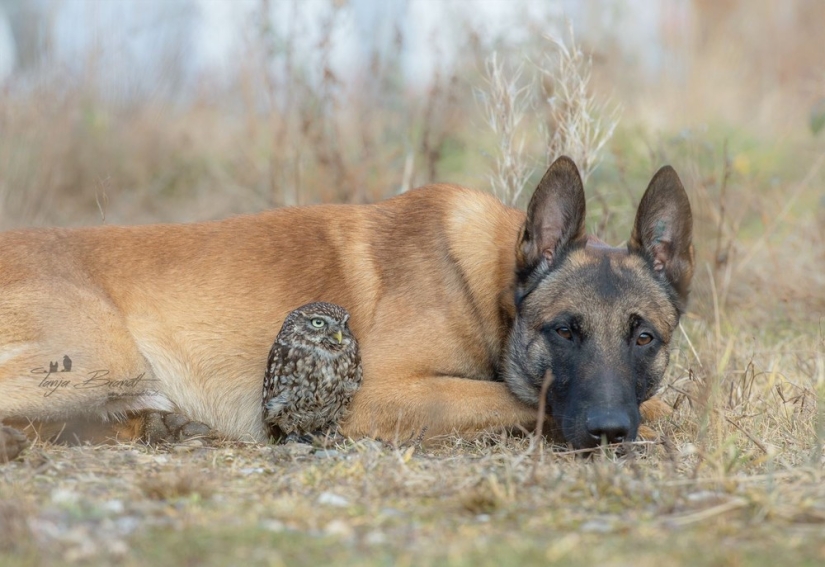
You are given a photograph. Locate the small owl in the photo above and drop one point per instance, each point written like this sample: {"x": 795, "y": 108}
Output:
{"x": 312, "y": 372}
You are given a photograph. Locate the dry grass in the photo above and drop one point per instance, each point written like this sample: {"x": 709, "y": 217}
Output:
{"x": 179, "y": 484}
{"x": 580, "y": 124}
{"x": 367, "y": 501}
{"x": 577, "y": 125}
{"x": 506, "y": 102}
{"x": 736, "y": 475}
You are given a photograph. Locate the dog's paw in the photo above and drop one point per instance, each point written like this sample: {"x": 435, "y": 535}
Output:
{"x": 12, "y": 443}
{"x": 654, "y": 409}
{"x": 646, "y": 433}
{"x": 167, "y": 427}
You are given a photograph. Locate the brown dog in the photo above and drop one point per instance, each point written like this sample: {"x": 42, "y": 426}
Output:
{"x": 450, "y": 293}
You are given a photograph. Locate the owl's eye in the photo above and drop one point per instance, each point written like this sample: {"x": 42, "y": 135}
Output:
{"x": 318, "y": 323}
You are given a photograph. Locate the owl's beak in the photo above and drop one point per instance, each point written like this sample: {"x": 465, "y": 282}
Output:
{"x": 339, "y": 336}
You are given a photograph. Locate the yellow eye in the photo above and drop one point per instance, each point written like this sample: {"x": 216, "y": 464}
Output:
{"x": 644, "y": 339}
{"x": 318, "y": 323}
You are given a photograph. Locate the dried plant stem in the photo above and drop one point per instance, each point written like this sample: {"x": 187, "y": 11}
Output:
{"x": 580, "y": 125}
{"x": 541, "y": 415}
{"x": 505, "y": 104}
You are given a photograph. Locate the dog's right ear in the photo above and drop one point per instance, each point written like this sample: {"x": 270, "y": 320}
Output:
{"x": 555, "y": 218}
{"x": 663, "y": 231}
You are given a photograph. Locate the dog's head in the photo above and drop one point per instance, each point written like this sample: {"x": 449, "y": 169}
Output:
{"x": 595, "y": 320}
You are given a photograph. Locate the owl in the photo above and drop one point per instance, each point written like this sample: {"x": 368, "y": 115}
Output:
{"x": 312, "y": 372}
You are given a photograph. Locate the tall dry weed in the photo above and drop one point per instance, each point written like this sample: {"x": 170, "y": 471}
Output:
{"x": 506, "y": 101}
{"x": 579, "y": 121}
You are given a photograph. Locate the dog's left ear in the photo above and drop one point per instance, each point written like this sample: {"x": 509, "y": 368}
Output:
{"x": 663, "y": 231}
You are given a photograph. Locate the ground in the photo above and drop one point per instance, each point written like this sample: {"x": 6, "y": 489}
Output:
{"x": 499, "y": 501}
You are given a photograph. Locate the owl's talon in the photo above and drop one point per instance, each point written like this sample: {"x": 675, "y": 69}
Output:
{"x": 305, "y": 438}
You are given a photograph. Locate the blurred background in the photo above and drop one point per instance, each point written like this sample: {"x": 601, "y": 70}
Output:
{"x": 134, "y": 111}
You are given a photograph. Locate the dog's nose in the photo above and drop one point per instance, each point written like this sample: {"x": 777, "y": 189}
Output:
{"x": 613, "y": 426}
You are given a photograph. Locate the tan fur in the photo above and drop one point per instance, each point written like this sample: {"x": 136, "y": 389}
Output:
{"x": 192, "y": 310}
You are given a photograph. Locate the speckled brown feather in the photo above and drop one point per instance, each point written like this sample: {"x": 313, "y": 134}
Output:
{"x": 309, "y": 379}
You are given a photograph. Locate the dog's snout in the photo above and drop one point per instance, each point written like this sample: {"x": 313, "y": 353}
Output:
{"x": 612, "y": 426}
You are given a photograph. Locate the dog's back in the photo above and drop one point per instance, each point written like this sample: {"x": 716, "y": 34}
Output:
{"x": 181, "y": 316}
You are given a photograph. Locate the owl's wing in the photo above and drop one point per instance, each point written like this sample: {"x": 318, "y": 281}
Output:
{"x": 357, "y": 376}
{"x": 353, "y": 381}
{"x": 275, "y": 400}
{"x": 274, "y": 406}
{"x": 276, "y": 366}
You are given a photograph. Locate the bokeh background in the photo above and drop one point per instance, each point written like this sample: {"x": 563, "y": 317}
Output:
{"x": 134, "y": 111}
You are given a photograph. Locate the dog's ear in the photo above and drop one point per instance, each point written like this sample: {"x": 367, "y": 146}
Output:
{"x": 663, "y": 231}
{"x": 555, "y": 217}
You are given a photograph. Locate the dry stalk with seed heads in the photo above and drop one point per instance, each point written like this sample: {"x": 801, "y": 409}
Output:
{"x": 505, "y": 104}
{"x": 580, "y": 125}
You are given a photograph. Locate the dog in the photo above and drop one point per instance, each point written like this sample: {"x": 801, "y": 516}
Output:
{"x": 466, "y": 312}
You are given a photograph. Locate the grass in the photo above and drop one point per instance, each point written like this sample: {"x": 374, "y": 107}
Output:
{"x": 461, "y": 504}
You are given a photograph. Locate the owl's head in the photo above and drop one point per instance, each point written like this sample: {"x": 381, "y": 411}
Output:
{"x": 320, "y": 324}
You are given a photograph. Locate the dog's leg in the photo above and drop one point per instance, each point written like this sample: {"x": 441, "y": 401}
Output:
{"x": 66, "y": 354}
{"x": 12, "y": 443}
{"x": 150, "y": 426}
{"x": 402, "y": 408}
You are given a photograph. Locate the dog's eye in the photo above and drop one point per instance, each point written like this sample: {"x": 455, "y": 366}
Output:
{"x": 318, "y": 323}
{"x": 565, "y": 333}
{"x": 644, "y": 339}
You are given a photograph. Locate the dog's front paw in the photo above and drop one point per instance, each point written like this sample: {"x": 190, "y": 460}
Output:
{"x": 12, "y": 443}
{"x": 168, "y": 427}
{"x": 654, "y": 409}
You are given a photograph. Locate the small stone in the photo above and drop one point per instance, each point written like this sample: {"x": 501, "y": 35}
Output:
{"x": 116, "y": 547}
{"x": 338, "y": 528}
{"x": 64, "y": 496}
{"x": 369, "y": 445}
{"x": 327, "y": 453}
{"x": 298, "y": 449}
{"x": 113, "y": 506}
{"x": 127, "y": 525}
{"x": 375, "y": 538}
{"x": 332, "y": 499}
{"x": 705, "y": 496}
{"x": 597, "y": 527}
{"x": 273, "y": 526}
{"x": 251, "y": 470}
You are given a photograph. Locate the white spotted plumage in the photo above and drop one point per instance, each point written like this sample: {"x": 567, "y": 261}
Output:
{"x": 312, "y": 371}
